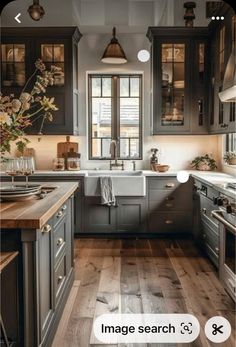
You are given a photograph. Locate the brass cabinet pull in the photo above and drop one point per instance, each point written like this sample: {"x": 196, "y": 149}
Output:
{"x": 60, "y": 241}
{"x": 169, "y": 221}
{"x": 46, "y": 228}
{"x": 169, "y": 205}
{"x": 60, "y": 213}
{"x": 59, "y": 279}
{"x": 204, "y": 210}
{"x": 170, "y": 185}
{"x": 170, "y": 198}
{"x": 217, "y": 250}
{"x": 64, "y": 207}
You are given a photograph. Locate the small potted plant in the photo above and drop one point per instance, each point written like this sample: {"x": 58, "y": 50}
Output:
{"x": 230, "y": 158}
{"x": 204, "y": 163}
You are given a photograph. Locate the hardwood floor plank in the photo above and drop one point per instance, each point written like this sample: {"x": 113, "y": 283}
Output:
{"x": 142, "y": 276}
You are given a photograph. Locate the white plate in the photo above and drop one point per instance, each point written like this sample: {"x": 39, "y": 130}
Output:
{"x": 17, "y": 197}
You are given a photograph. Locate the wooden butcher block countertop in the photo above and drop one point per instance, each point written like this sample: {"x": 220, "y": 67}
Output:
{"x": 34, "y": 213}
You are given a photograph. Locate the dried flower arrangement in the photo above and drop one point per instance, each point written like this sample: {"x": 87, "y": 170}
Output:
{"x": 16, "y": 114}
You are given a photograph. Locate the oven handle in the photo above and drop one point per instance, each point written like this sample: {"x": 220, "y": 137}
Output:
{"x": 218, "y": 215}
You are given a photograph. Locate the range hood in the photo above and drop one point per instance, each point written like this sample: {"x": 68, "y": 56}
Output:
{"x": 228, "y": 93}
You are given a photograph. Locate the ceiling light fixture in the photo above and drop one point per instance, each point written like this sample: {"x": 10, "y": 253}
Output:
{"x": 114, "y": 53}
{"x": 36, "y": 11}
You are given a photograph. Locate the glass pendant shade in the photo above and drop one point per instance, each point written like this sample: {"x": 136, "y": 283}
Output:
{"x": 114, "y": 53}
{"x": 36, "y": 11}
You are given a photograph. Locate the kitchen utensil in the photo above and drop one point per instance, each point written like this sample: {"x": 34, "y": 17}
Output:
{"x": 65, "y": 147}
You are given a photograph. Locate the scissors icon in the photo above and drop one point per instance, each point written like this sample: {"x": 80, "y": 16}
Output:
{"x": 217, "y": 329}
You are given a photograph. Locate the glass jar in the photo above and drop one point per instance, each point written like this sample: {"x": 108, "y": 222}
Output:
{"x": 73, "y": 164}
{"x": 58, "y": 164}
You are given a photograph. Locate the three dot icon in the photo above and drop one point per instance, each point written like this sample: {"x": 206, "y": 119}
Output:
{"x": 217, "y": 18}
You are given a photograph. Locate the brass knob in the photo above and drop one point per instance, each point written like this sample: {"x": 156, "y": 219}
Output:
{"x": 60, "y": 213}
{"x": 217, "y": 250}
{"x": 60, "y": 241}
{"x": 169, "y": 221}
{"x": 46, "y": 228}
{"x": 204, "y": 210}
{"x": 170, "y": 185}
{"x": 169, "y": 205}
{"x": 59, "y": 279}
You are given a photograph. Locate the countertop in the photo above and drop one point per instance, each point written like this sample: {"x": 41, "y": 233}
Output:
{"x": 34, "y": 213}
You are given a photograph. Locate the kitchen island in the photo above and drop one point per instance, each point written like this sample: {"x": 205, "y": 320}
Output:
{"x": 41, "y": 230}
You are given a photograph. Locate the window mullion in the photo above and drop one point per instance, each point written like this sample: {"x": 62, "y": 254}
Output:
{"x": 118, "y": 115}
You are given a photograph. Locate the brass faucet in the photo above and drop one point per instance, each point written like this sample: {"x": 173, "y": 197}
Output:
{"x": 113, "y": 152}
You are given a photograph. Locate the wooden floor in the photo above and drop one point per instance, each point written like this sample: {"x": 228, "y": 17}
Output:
{"x": 141, "y": 276}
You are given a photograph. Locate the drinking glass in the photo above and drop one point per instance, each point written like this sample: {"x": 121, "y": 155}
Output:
{"x": 27, "y": 167}
{"x": 12, "y": 169}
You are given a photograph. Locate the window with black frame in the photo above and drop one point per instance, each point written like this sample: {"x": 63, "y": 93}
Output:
{"x": 115, "y": 113}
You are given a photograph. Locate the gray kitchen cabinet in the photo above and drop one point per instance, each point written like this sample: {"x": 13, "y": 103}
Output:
{"x": 131, "y": 214}
{"x": 97, "y": 217}
{"x": 46, "y": 274}
{"x": 206, "y": 227}
{"x": 170, "y": 205}
{"x": 54, "y": 46}
{"x": 223, "y": 34}
{"x": 179, "y": 89}
{"x": 45, "y": 281}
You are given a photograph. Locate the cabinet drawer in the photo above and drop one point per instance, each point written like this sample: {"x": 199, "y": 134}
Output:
{"x": 59, "y": 279}
{"x": 59, "y": 239}
{"x": 170, "y": 222}
{"x": 210, "y": 237}
{"x": 163, "y": 183}
{"x": 169, "y": 201}
{"x": 60, "y": 214}
{"x": 206, "y": 208}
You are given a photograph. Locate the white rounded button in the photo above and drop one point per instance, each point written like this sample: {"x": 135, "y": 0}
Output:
{"x": 217, "y": 329}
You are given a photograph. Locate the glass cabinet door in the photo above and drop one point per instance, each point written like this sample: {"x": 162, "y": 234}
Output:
{"x": 173, "y": 84}
{"x": 13, "y": 65}
{"x": 54, "y": 54}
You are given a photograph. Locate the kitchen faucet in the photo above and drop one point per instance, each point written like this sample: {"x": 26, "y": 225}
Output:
{"x": 113, "y": 152}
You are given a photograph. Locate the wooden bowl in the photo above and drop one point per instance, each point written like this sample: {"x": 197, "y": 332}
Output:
{"x": 162, "y": 168}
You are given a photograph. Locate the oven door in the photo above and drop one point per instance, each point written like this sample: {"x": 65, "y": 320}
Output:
{"x": 227, "y": 254}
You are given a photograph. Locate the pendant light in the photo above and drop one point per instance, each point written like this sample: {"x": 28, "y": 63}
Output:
{"x": 36, "y": 11}
{"x": 114, "y": 53}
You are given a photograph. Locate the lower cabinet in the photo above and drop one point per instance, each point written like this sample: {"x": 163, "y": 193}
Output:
{"x": 206, "y": 227}
{"x": 170, "y": 205}
{"x": 97, "y": 217}
{"x": 129, "y": 215}
{"x": 47, "y": 258}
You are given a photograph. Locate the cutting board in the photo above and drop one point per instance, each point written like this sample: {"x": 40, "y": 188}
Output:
{"x": 66, "y": 147}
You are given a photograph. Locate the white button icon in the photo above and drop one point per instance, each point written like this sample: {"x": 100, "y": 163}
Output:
{"x": 217, "y": 329}
{"x": 17, "y": 18}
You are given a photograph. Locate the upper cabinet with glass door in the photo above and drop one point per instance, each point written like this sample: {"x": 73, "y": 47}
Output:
{"x": 20, "y": 49}
{"x": 13, "y": 65}
{"x": 179, "y": 80}
{"x": 223, "y": 38}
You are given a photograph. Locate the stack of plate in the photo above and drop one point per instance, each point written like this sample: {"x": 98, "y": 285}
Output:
{"x": 19, "y": 192}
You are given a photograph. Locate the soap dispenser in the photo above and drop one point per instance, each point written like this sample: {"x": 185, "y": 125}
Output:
{"x": 153, "y": 159}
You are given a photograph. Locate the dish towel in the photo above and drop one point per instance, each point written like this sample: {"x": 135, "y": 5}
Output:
{"x": 107, "y": 191}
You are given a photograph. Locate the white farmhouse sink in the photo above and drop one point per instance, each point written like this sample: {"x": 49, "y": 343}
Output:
{"x": 125, "y": 183}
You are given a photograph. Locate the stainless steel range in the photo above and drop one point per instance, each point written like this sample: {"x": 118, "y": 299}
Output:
{"x": 226, "y": 215}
